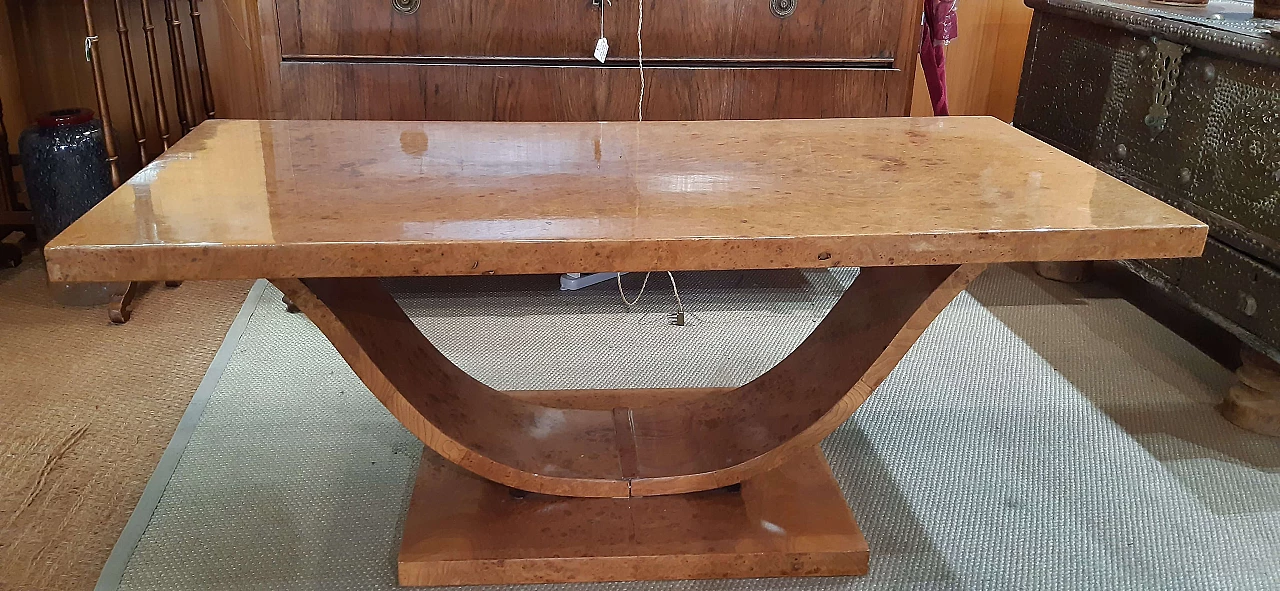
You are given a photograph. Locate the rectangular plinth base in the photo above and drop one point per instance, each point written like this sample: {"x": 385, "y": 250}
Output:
{"x": 790, "y": 522}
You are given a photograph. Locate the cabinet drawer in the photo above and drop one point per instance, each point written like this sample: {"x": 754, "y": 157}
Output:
{"x": 748, "y": 29}
{"x": 1240, "y": 288}
{"x": 736, "y": 30}
{"x": 403, "y": 91}
{"x": 438, "y": 28}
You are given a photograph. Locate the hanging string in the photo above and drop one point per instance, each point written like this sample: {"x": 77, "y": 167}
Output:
{"x": 640, "y": 117}
{"x": 631, "y": 303}
{"x": 640, "y": 54}
{"x": 601, "y": 52}
{"x": 679, "y": 304}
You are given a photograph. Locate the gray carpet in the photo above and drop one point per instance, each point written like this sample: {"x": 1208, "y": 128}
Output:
{"x": 1035, "y": 437}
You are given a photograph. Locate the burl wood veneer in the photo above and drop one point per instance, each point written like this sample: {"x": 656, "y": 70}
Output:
{"x": 705, "y": 441}
{"x": 246, "y": 199}
{"x": 638, "y": 476}
{"x": 792, "y": 521}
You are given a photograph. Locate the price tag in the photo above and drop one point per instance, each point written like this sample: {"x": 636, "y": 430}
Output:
{"x": 602, "y": 49}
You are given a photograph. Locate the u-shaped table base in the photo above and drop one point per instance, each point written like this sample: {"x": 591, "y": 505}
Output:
{"x": 630, "y": 484}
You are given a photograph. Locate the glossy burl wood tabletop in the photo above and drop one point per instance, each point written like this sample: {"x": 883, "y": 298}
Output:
{"x": 247, "y": 199}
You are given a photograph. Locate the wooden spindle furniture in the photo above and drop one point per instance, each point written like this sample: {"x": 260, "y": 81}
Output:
{"x": 11, "y": 217}
{"x": 202, "y": 61}
{"x": 99, "y": 85}
{"x": 131, "y": 83}
{"x": 8, "y": 191}
{"x": 120, "y": 308}
{"x": 153, "y": 68}
{"x": 178, "y": 58}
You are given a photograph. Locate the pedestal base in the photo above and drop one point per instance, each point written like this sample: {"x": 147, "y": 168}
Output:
{"x": 1067, "y": 271}
{"x": 791, "y": 521}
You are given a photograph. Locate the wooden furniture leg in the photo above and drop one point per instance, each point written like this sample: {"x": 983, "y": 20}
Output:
{"x": 1066, "y": 271}
{"x": 178, "y": 60}
{"x": 121, "y": 307}
{"x": 1254, "y": 402}
{"x": 10, "y": 249}
{"x": 610, "y": 448}
{"x": 100, "y": 89}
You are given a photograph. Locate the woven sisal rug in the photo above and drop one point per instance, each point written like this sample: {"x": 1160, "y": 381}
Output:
{"x": 1033, "y": 438}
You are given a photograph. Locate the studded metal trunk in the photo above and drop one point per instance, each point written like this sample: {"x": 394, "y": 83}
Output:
{"x": 1183, "y": 103}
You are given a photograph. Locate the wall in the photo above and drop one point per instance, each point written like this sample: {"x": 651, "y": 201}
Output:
{"x": 15, "y": 110}
{"x": 984, "y": 62}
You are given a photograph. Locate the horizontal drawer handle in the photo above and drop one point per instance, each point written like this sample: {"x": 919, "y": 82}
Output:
{"x": 406, "y": 6}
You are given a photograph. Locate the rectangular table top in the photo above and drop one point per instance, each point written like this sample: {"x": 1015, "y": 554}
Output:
{"x": 248, "y": 199}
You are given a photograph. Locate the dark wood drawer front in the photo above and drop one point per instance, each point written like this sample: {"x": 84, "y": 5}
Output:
{"x": 509, "y": 28}
{"x": 748, "y": 29}
{"x": 1238, "y": 287}
{"x": 821, "y": 30}
{"x": 334, "y": 90}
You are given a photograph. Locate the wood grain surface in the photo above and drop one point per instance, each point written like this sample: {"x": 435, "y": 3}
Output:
{"x": 503, "y": 28}
{"x": 708, "y": 439}
{"x": 411, "y": 92}
{"x": 464, "y": 530}
{"x": 246, "y": 199}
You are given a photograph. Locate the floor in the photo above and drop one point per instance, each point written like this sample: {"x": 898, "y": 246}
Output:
{"x": 1037, "y": 436}
{"x": 73, "y": 466}
{"x": 86, "y": 408}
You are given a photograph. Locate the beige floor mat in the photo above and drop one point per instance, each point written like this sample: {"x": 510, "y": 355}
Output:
{"x": 1036, "y": 437}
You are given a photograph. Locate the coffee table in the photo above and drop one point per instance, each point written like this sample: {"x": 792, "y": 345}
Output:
{"x": 598, "y": 485}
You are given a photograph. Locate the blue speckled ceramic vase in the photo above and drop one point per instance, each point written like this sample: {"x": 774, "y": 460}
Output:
{"x": 64, "y": 164}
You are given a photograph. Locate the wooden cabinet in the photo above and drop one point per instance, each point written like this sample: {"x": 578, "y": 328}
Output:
{"x": 439, "y": 28}
{"x": 531, "y": 60}
{"x": 835, "y": 30}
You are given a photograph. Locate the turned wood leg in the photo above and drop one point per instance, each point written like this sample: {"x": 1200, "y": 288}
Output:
{"x": 650, "y": 467}
{"x": 1253, "y": 403}
{"x": 120, "y": 309}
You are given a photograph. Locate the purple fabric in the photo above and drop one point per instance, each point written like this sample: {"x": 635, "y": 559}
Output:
{"x": 939, "y": 28}
{"x": 940, "y": 20}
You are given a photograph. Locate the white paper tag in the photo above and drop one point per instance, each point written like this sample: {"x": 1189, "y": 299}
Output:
{"x": 602, "y": 49}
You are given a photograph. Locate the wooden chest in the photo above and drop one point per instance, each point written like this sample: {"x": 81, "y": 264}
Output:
{"x": 1184, "y": 105}
{"x": 531, "y": 60}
